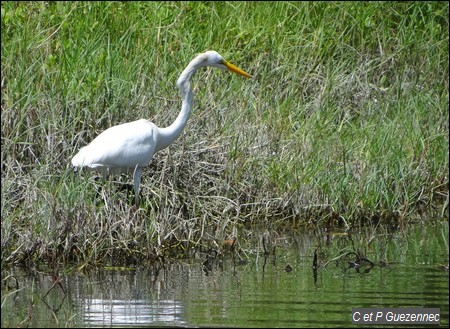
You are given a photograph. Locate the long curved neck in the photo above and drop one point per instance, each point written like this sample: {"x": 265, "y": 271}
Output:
{"x": 169, "y": 134}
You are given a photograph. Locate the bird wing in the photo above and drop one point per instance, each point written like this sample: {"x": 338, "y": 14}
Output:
{"x": 123, "y": 146}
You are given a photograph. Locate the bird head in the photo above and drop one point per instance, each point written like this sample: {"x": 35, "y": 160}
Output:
{"x": 213, "y": 58}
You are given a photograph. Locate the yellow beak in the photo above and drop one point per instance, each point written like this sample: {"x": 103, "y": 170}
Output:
{"x": 236, "y": 69}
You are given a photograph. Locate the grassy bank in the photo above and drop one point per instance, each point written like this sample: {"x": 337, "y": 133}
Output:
{"x": 345, "y": 121}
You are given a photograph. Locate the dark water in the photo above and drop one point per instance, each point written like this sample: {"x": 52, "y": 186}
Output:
{"x": 278, "y": 290}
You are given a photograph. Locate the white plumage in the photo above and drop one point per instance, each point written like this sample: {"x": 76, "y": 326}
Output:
{"x": 130, "y": 146}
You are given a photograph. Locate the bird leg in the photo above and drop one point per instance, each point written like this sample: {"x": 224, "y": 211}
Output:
{"x": 137, "y": 180}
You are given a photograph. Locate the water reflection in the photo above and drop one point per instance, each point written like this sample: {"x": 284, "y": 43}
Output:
{"x": 298, "y": 282}
{"x": 132, "y": 297}
{"x": 123, "y": 312}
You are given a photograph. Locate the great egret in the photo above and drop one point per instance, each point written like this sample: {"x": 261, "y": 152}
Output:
{"x": 130, "y": 146}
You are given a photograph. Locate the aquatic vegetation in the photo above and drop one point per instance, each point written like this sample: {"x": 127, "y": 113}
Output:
{"x": 344, "y": 124}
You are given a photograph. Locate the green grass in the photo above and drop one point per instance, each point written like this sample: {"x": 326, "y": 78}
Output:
{"x": 345, "y": 119}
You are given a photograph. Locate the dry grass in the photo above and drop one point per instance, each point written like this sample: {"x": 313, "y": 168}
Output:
{"x": 345, "y": 123}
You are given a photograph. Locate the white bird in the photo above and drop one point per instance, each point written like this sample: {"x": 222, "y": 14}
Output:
{"x": 130, "y": 146}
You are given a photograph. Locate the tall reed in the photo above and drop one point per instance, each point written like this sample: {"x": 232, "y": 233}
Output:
{"x": 345, "y": 121}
